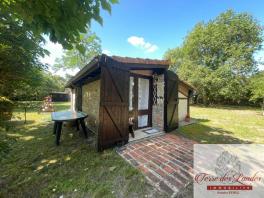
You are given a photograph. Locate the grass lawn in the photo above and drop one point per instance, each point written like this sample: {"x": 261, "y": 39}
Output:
{"x": 225, "y": 124}
{"x": 32, "y": 166}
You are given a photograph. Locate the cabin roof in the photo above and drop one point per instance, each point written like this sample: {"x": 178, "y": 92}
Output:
{"x": 140, "y": 61}
{"x": 126, "y": 62}
{"x": 58, "y": 92}
{"x": 190, "y": 87}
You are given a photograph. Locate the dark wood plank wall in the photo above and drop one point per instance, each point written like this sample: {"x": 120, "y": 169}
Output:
{"x": 113, "y": 126}
{"x": 78, "y": 98}
{"x": 171, "y": 101}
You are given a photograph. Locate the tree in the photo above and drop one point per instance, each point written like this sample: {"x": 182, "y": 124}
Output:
{"x": 257, "y": 88}
{"x": 61, "y": 20}
{"x": 218, "y": 57}
{"x": 74, "y": 58}
{"x": 23, "y": 76}
{"x": 19, "y": 55}
{"x": 43, "y": 86}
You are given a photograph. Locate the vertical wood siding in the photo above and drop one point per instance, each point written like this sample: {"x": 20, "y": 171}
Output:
{"x": 171, "y": 104}
{"x": 113, "y": 127}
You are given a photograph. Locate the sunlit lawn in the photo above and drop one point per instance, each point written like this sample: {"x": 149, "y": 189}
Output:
{"x": 225, "y": 124}
{"x": 32, "y": 166}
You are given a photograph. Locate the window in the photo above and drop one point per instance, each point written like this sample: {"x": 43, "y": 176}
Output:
{"x": 131, "y": 93}
{"x": 143, "y": 93}
{"x": 143, "y": 121}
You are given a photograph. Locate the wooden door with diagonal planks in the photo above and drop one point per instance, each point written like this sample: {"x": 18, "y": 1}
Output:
{"x": 171, "y": 90}
{"x": 113, "y": 126}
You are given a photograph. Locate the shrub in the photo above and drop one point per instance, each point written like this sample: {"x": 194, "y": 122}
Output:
{"x": 6, "y": 108}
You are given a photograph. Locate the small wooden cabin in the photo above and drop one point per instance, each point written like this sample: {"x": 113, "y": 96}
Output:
{"x": 185, "y": 92}
{"x": 112, "y": 89}
{"x": 60, "y": 96}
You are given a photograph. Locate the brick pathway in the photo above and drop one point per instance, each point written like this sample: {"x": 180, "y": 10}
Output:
{"x": 166, "y": 161}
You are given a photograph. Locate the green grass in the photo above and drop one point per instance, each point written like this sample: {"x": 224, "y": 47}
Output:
{"x": 32, "y": 166}
{"x": 225, "y": 124}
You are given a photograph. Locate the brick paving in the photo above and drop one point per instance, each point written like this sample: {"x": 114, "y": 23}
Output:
{"x": 166, "y": 161}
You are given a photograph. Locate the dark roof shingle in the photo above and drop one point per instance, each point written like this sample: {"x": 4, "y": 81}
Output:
{"x": 140, "y": 60}
{"x": 138, "y": 63}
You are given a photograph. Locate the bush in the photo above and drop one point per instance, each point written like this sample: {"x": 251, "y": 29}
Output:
{"x": 6, "y": 143}
{"x": 6, "y": 108}
{"x": 4, "y": 147}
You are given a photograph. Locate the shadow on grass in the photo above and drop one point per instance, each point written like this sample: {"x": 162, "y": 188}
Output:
{"x": 13, "y": 124}
{"x": 19, "y": 123}
{"x": 35, "y": 106}
{"x": 36, "y": 167}
{"x": 202, "y": 133}
{"x": 37, "y": 161}
{"x": 29, "y": 110}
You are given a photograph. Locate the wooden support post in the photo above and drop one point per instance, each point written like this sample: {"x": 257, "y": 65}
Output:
{"x": 58, "y": 133}
{"x": 77, "y": 125}
{"x": 188, "y": 107}
{"x": 83, "y": 127}
{"x": 55, "y": 128}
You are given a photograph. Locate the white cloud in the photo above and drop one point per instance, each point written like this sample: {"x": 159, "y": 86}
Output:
{"x": 63, "y": 72}
{"x": 107, "y": 52}
{"x": 141, "y": 43}
{"x": 136, "y": 41}
{"x": 153, "y": 48}
{"x": 56, "y": 51}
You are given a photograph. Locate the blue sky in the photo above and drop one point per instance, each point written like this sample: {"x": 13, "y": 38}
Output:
{"x": 147, "y": 28}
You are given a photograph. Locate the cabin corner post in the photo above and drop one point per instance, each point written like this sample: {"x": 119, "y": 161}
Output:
{"x": 150, "y": 119}
{"x": 101, "y": 114}
{"x": 165, "y": 100}
{"x": 78, "y": 97}
{"x": 188, "y": 105}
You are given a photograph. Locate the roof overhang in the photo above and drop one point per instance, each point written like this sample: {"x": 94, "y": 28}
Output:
{"x": 86, "y": 70}
{"x": 123, "y": 62}
{"x": 192, "y": 89}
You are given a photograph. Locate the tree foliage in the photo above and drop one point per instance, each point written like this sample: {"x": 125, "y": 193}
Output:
{"x": 22, "y": 25}
{"x": 19, "y": 55}
{"x": 257, "y": 88}
{"x": 61, "y": 20}
{"x": 43, "y": 86}
{"x": 218, "y": 57}
{"x": 23, "y": 76}
{"x": 74, "y": 58}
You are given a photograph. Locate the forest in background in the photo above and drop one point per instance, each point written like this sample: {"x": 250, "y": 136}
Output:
{"x": 218, "y": 59}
